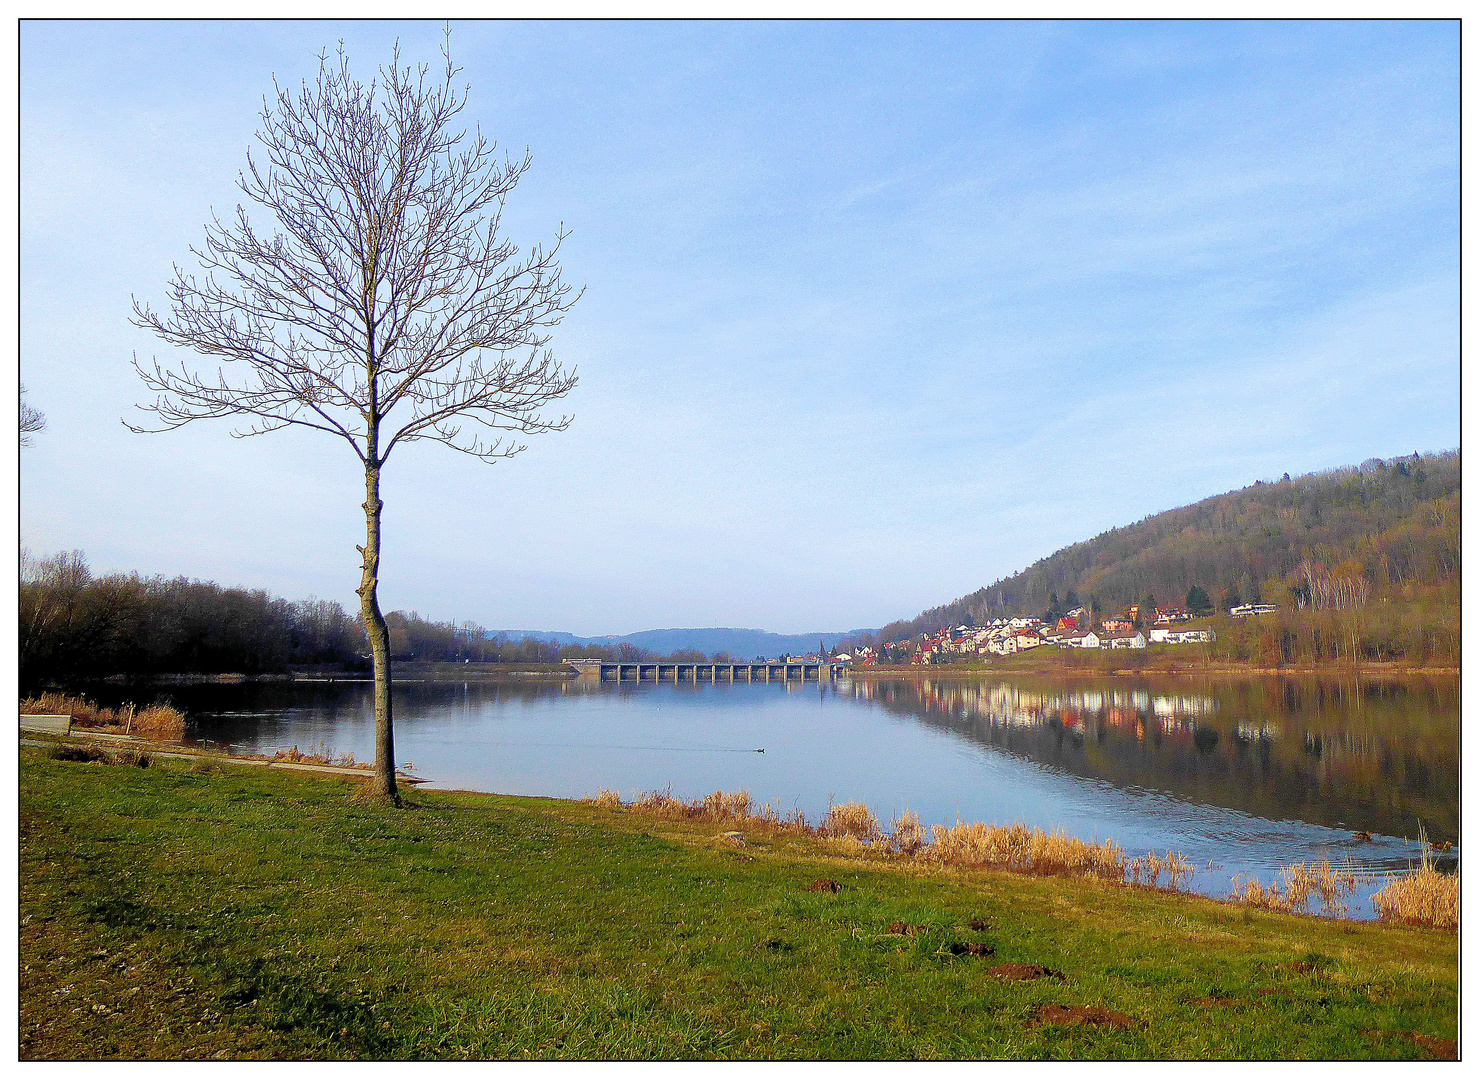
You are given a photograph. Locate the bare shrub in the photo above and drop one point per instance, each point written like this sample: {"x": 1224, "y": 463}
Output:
{"x": 609, "y": 800}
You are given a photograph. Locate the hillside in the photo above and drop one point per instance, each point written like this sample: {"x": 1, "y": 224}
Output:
{"x": 741, "y": 644}
{"x": 1398, "y": 519}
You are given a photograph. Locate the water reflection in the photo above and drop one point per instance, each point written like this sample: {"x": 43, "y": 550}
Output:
{"x": 1365, "y": 756}
{"x": 1242, "y": 777}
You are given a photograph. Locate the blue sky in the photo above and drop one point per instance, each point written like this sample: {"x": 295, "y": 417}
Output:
{"x": 876, "y": 313}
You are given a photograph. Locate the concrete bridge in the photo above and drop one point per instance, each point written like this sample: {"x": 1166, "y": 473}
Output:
{"x": 689, "y": 671}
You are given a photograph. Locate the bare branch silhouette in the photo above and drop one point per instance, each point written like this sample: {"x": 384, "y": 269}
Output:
{"x": 384, "y": 306}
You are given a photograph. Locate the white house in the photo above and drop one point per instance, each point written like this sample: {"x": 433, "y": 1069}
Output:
{"x": 1126, "y": 641}
{"x": 1173, "y": 635}
{"x": 1252, "y": 609}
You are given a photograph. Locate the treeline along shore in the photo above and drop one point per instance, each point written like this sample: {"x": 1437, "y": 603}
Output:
{"x": 1359, "y": 566}
{"x": 78, "y": 628}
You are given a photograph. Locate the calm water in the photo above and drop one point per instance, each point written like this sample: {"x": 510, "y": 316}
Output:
{"x": 1241, "y": 777}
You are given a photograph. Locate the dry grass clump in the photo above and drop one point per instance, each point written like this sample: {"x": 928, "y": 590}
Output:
{"x": 1423, "y": 897}
{"x": 907, "y": 834}
{"x": 79, "y": 753}
{"x": 719, "y": 807}
{"x": 160, "y": 720}
{"x": 1297, "y": 886}
{"x": 96, "y": 755}
{"x": 320, "y": 756}
{"x": 852, "y": 829}
{"x": 852, "y": 820}
{"x": 1147, "y": 870}
{"x": 1024, "y": 849}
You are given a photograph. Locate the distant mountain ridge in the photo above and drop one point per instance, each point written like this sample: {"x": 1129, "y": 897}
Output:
{"x": 1397, "y": 520}
{"x": 739, "y": 643}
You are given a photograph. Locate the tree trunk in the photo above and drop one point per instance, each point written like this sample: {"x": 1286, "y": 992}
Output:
{"x": 384, "y": 782}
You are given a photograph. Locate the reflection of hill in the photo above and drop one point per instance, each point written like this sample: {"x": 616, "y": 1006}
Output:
{"x": 1380, "y": 757}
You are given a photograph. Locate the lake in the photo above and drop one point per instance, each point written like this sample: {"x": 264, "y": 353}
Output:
{"x": 1240, "y": 776}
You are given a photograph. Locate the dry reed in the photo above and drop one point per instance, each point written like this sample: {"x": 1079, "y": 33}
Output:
{"x": 1025, "y": 850}
{"x": 907, "y": 834}
{"x": 1147, "y": 870}
{"x": 1297, "y": 886}
{"x": 1422, "y": 897}
{"x": 851, "y": 828}
{"x": 319, "y": 756}
{"x": 852, "y": 820}
{"x": 719, "y": 807}
{"x": 160, "y": 720}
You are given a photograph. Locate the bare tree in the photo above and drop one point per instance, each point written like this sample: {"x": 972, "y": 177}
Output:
{"x": 384, "y": 308}
{"x": 32, "y": 419}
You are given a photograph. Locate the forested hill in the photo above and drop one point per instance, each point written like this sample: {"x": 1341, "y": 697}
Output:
{"x": 1398, "y": 518}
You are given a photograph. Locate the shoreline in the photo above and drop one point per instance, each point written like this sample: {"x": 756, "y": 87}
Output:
{"x": 411, "y": 785}
{"x": 564, "y": 928}
{"x": 556, "y": 673}
{"x": 1377, "y": 668}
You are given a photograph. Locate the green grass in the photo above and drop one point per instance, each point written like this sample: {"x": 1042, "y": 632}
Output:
{"x": 251, "y": 913}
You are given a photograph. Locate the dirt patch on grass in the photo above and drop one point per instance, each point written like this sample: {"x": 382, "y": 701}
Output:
{"x": 898, "y": 927}
{"x": 971, "y": 948}
{"x": 1443, "y": 1049}
{"x": 980, "y": 924}
{"x": 1024, "y": 972}
{"x": 80, "y": 753}
{"x": 825, "y": 885}
{"x": 1078, "y": 1015}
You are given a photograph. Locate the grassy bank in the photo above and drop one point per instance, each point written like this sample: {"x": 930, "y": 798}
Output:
{"x": 205, "y": 912}
{"x": 1179, "y": 660}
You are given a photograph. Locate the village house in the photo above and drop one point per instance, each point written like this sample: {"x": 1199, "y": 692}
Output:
{"x": 1170, "y": 635}
{"x": 1132, "y": 640}
{"x": 1118, "y": 625}
{"x": 1244, "y": 610}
